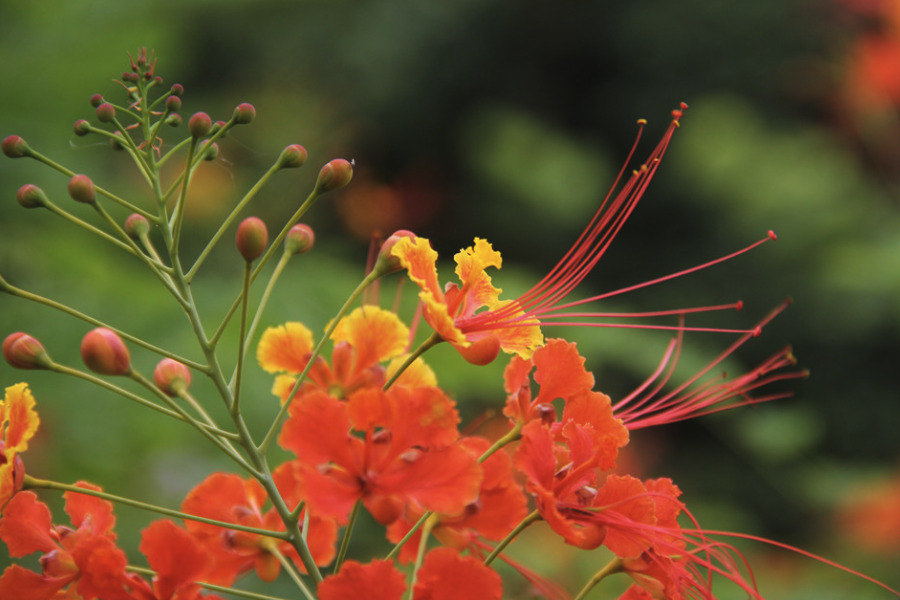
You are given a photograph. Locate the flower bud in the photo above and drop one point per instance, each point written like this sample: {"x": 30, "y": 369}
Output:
{"x": 173, "y": 120}
{"x": 210, "y": 151}
{"x": 115, "y": 143}
{"x": 199, "y": 125}
{"x": 386, "y": 261}
{"x": 217, "y": 126}
{"x": 81, "y": 189}
{"x": 171, "y": 376}
{"x": 24, "y": 352}
{"x": 244, "y": 114}
{"x": 156, "y": 80}
{"x": 252, "y": 238}
{"x": 292, "y": 157}
{"x": 137, "y": 226}
{"x": 173, "y": 103}
{"x": 31, "y": 196}
{"x": 334, "y": 175}
{"x": 96, "y": 100}
{"x": 177, "y": 89}
{"x": 106, "y": 112}
{"x": 81, "y": 128}
{"x": 15, "y": 147}
{"x": 300, "y": 238}
{"x": 104, "y": 352}
{"x": 481, "y": 352}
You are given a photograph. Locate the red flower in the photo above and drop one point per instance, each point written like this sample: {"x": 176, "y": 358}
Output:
{"x": 406, "y": 453}
{"x": 227, "y": 497}
{"x": 378, "y": 580}
{"x": 86, "y": 557}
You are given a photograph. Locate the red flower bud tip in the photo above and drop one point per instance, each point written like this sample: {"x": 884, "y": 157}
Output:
{"x": 173, "y": 103}
{"x": 81, "y": 128}
{"x": 104, "y": 352}
{"x": 24, "y": 352}
{"x": 252, "y": 238}
{"x": 173, "y": 120}
{"x": 293, "y": 157}
{"x": 334, "y": 175}
{"x": 386, "y": 261}
{"x": 177, "y": 89}
{"x": 15, "y": 147}
{"x": 300, "y": 238}
{"x": 772, "y": 235}
{"x": 81, "y": 189}
{"x": 244, "y": 114}
{"x": 116, "y": 144}
{"x": 96, "y": 100}
{"x": 106, "y": 113}
{"x": 209, "y": 151}
{"x": 136, "y": 226}
{"x": 199, "y": 125}
{"x": 157, "y": 80}
{"x": 171, "y": 376}
{"x": 31, "y": 196}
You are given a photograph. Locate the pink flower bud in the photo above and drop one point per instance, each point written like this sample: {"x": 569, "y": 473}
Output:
{"x": 173, "y": 120}
{"x": 96, "y": 100}
{"x": 15, "y": 147}
{"x": 104, "y": 352}
{"x": 334, "y": 175}
{"x": 199, "y": 125}
{"x": 171, "y": 376}
{"x": 386, "y": 261}
{"x": 292, "y": 157}
{"x": 137, "y": 226}
{"x": 300, "y": 238}
{"x": 173, "y": 104}
{"x": 81, "y": 128}
{"x": 106, "y": 112}
{"x": 177, "y": 89}
{"x": 252, "y": 238}
{"x": 31, "y": 196}
{"x": 24, "y": 352}
{"x": 244, "y": 114}
{"x": 209, "y": 151}
{"x": 81, "y": 189}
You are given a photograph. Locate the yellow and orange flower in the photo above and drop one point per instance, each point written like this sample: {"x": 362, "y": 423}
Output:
{"x": 18, "y": 424}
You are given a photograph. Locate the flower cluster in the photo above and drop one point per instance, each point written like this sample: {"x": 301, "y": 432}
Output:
{"x": 367, "y": 427}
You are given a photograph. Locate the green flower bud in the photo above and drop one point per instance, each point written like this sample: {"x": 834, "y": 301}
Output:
{"x": 96, "y": 100}
{"x": 292, "y": 157}
{"x": 31, "y": 196}
{"x": 24, "y": 352}
{"x": 173, "y": 120}
{"x": 81, "y": 128}
{"x": 104, "y": 352}
{"x": 199, "y": 125}
{"x": 173, "y": 103}
{"x": 15, "y": 147}
{"x": 177, "y": 89}
{"x": 252, "y": 238}
{"x": 244, "y": 114}
{"x": 137, "y": 226}
{"x": 299, "y": 239}
{"x": 209, "y": 151}
{"x": 81, "y": 189}
{"x": 334, "y": 175}
{"x": 106, "y": 112}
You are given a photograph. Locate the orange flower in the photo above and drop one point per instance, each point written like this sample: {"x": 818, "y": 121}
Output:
{"x": 18, "y": 424}
{"x": 364, "y": 339}
{"x": 471, "y": 316}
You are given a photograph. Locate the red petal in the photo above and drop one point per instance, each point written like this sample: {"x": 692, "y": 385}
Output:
{"x": 442, "y": 481}
{"x": 378, "y": 580}
{"x": 81, "y": 506}
{"x": 177, "y": 558}
{"x": 445, "y": 575}
{"x": 102, "y": 568}
{"x": 25, "y": 526}
{"x": 22, "y": 584}
{"x": 560, "y": 371}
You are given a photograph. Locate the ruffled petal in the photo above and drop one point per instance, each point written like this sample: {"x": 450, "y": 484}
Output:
{"x": 18, "y": 416}
{"x": 445, "y": 575}
{"x": 375, "y": 334}
{"x": 285, "y": 348}
{"x": 378, "y": 580}
{"x": 25, "y": 526}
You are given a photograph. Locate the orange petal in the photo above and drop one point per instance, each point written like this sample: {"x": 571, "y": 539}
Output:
{"x": 418, "y": 374}
{"x": 19, "y": 417}
{"x": 376, "y": 335}
{"x": 284, "y": 348}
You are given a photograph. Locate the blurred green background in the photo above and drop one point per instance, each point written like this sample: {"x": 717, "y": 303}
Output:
{"x": 506, "y": 119}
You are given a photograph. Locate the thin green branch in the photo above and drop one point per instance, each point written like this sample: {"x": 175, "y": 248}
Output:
{"x": 396, "y": 550}
{"x": 528, "y": 520}
{"x": 615, "y": 566}
{"x": 211, "y": 586}
{"x": 433, "y": 340}
{"x": 345, "y": 541}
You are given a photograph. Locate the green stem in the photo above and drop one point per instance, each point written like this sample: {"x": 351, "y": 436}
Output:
{"x": 64, "y": 370}
{"x": 511, "y": 436}
{"x": 430, "y": 523}
{"x": 432, "y": 341}
{"x": 345, "y": 542}
{"x": 276, "y": 424}
{"x": 615, "y": 566}
{"x": 531, "y": 518}
{"x": 211, "y": 586}
{"x": 239, "y": 368}
{"x": 86, "y": 226}
{"x": 30, "y": 482}
{"x": 282, "y": 263}
{"x": 19, "y": 292}
{"x": 177, "y": 218}
{"x": 290, "y": 570}
{"x": 393, "y": 553}
{"x": 228, "y": 221}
